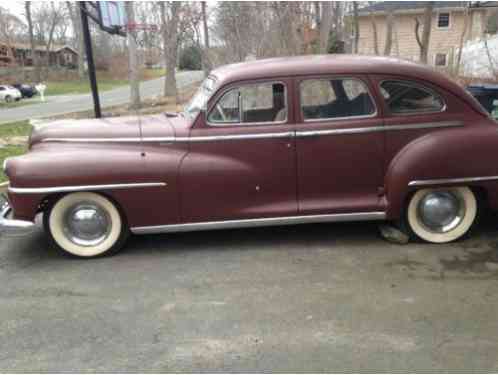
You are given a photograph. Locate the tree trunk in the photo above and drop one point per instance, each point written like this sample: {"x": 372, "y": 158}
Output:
{"x": 318, "y": 19}
{"x": 206, "y": 63}
{"x": 134, "y": 74}
{"x": 389, "y": 32}
{"x": 426, "y": 34}
{"x": 356, "y": 25}
{"x": 462, "y": 40}
{"x": 170, "y": 41}
{"x": 374, "y": 35}
{"x": 34, "y": 56}
{"x": 81, "y": 45}
{"x": 325, "y": 25}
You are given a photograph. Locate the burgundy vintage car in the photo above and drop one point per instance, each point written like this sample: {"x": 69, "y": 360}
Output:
{"x": 270, "y": 142}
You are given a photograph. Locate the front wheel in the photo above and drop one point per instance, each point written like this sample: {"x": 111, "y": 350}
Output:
{"x": 442, "y": 215}
{"x": 8, "y": 99}
{"x": 85, "y": 225}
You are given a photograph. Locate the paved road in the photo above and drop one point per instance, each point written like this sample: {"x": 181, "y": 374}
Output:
{"x": 57, "y": 105}
{"x": 306, "y": 298}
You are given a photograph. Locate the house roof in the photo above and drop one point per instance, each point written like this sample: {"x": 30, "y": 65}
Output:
{"x": 41, "y": 48}
{"x": 413, "y": 6}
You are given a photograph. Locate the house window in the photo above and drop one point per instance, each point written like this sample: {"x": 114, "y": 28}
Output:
{"x": 441, "y": 59}
{"x": 443, "y": 20}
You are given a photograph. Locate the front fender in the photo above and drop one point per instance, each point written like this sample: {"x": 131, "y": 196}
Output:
{"x": 59, "y": 165}
{"x": 461, "y": 154}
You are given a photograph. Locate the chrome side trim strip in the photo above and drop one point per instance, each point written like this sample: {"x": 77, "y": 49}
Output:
{"x": 240, "y": 136}
{"x": 109, "y": 140}
{"x": 452, "y": 181}
{"x": 250, "y": 223}
{"x": 173, "y": 139}
{"x": 374, "y": 129}
{"x": 68, "y": 189}
{"x": 426, "y": 125}
{"x": 290, "y": 134}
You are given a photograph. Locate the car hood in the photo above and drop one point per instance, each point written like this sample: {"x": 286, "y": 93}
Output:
{"x": 114, "y": 129}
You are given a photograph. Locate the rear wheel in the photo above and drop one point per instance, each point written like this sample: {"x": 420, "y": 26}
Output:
{"x": 442, "y": 215}
{"x": 85, "y": 225}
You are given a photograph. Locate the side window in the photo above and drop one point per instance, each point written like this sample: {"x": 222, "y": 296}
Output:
{"x": 257, "y": 103}
{"x": 409, "y": 97}
{"x": 328, "y": 99}
{"x": 227, "y": 108}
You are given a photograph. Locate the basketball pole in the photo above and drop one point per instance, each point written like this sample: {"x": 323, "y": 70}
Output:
{"x": 89, "y": 58}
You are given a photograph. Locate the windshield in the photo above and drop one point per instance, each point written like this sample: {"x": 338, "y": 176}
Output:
{"x": 200, "y": 99}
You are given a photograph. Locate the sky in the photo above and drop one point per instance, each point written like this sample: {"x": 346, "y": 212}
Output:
{"x": 16, "y": 7}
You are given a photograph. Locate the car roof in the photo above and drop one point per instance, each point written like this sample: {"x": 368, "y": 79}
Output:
{"x": 318, "y": 64}
{"x": 337, "y": 64}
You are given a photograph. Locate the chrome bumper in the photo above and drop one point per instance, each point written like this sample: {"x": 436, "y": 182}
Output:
{"x": 11, "y": 226}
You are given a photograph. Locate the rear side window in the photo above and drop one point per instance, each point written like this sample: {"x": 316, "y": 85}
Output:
{"x": 323, "y": 99}
{"x": 410, "y": 97}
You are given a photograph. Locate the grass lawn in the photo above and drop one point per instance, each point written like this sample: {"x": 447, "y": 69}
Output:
{"x": 9, "y": 130}
{"x": 7, "y": 152}
{"x": 81, "y": 87}
{"x": 104, "y": 83}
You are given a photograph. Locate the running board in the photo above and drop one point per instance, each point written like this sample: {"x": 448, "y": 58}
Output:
{"x": 251, "y": 223}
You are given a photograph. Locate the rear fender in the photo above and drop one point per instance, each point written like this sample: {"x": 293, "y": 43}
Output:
{"x": 453, "y": 157}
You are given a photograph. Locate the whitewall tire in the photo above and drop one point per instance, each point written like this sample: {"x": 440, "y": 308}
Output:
{"x": 85, "y": 225}
{"x": 442, "y": 215}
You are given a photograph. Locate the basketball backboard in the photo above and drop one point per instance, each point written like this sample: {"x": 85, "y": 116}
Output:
{"x": 112, "y": 16}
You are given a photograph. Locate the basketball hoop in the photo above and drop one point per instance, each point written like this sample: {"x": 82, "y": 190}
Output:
{"x": 132, "y": 30}
{"x": 132, "y": 27}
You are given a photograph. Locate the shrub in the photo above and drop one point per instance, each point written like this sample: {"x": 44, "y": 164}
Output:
{"x": 191, "y": 58}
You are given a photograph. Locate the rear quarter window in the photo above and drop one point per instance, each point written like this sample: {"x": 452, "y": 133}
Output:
{"x": 406, "y": 97}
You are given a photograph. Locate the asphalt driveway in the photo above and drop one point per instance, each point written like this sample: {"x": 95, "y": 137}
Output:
{"x": 304, "y": 298}
{"x": 60, "y": 104}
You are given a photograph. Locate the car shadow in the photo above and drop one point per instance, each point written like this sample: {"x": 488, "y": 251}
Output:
{"x": 471, "y": 254}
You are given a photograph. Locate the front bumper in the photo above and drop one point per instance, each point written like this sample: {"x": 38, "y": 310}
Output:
{"x": 10, "y": 226}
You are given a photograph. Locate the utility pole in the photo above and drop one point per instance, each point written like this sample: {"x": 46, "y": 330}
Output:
{"x": 89, "y": 58}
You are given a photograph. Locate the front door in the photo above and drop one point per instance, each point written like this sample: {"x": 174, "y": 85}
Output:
{"x": 241, "y": 162}
{"x": 340, "y": 146}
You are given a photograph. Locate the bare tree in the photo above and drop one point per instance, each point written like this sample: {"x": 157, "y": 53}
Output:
{"x": 34, "y": 55}
{"x": 389, "y": 31}
{"x": 177, "y": 20}
{"x": 356, "y": 26}
{"x": 325, "y": 25}
{"x": 74, "y": 14}
{"x": 466, "y": 21}
{"x": 206, "y": 63}
{"x": 133, "y": 66}
{"x": 426, "y": 34}
{"x": 56, "y": 16}
{"x": 374, "y": 34}
{"x": 169, "y": 20}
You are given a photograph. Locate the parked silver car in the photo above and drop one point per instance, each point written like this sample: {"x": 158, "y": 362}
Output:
{"x": 9, "y": 94}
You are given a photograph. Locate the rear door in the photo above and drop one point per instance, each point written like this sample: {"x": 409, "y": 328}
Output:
{"x": 340, "y": 146}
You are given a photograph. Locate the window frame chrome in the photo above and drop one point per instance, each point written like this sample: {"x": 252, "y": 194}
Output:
{"x": 342, "y": 118}
{"x": 223, "y": 92}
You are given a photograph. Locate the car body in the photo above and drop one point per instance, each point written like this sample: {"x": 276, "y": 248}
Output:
{"x": 27, "y": 91}
{"x": 9, "y": 93}
{"x": 270, "y": 142}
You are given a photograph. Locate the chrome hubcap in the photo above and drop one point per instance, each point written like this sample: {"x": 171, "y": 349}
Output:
{"x": 441, "y": 211}
{"x": 87, "y": 224}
